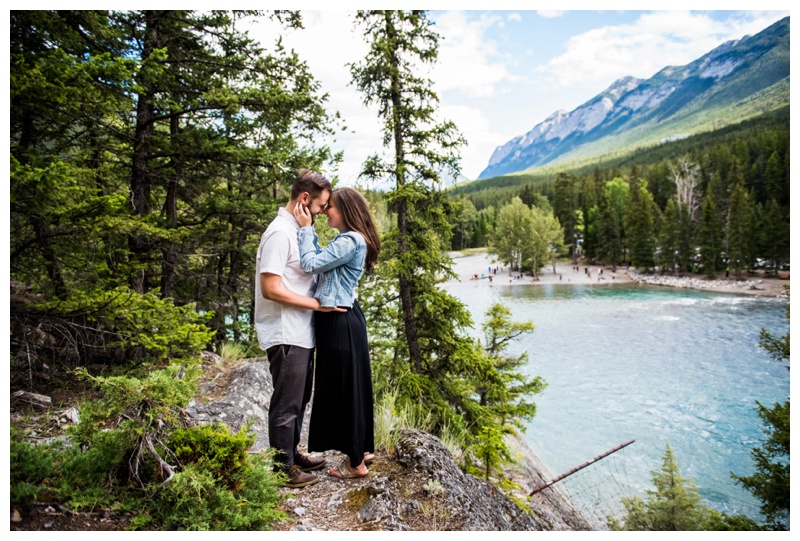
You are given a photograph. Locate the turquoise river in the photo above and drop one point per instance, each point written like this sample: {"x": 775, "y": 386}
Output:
{"x": 653, "y": 364}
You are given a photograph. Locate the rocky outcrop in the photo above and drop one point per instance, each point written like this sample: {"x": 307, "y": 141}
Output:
{"x": 418, "y": 487}
{"x": 479, "y": 505}
{"x": 237, "y": 398}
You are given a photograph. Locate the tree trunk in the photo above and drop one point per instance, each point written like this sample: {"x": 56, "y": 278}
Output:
{"x": 145, "y": 112}
{"x": 169, "y": 257}
{"x": 406, "y": 297}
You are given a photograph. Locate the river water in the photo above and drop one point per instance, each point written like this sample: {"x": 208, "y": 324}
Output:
{"x": 658, "y": 365}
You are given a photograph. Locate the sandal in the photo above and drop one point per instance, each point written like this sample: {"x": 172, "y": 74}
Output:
{"x": 369, "y": 458}
{"x": 342, "y": 473}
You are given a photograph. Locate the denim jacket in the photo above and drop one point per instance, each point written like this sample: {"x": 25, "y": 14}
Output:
{"x": 339, "y": 266}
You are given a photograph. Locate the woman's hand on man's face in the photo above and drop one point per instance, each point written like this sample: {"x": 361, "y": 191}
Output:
{"x": 302, "y": 215}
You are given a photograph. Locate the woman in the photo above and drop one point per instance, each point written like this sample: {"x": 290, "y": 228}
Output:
{"x": 341, "y": 416}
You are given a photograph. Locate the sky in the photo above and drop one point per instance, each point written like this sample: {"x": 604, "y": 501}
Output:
{"x": 500, "y": 73}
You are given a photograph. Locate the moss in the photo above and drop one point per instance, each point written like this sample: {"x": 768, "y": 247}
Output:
{"x": 357, "y": 498}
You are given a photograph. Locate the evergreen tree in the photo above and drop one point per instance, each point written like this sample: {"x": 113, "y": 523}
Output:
{"x": 505, "y": 389}
{"x": 686, "y": 239}
{"x": 430, "y": 362}
{"x": 588, "y": 197}
{"x": 145, "y": 146}
{"x": 739, "y": 230}
{"x": 710, "y": 237}
{"x": 640, "y": 226}
{"x": 674, "y": 505}
{"x": 612, "y": 209}
{"x": 670, "y": 232}
{"x": 565, "y": 205}
{"x": 775, "y": 247}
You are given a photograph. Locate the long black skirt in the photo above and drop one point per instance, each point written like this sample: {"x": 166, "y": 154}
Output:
{"x": 341, "y": 414}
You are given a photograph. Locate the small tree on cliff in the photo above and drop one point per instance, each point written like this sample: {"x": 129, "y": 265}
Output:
{"x": 674, "y": 505}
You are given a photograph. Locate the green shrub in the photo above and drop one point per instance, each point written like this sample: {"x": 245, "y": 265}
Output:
{"x": 97, "y": 476}
{"x": 30, "y": 465}
{"x": 196, "y": 500}
{"x": 213, "y": 448}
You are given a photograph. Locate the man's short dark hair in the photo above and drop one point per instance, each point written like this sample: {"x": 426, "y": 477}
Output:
{"x": 311, "y": 182}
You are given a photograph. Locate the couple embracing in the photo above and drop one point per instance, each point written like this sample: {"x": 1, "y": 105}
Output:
{"x": 305, "y": 300}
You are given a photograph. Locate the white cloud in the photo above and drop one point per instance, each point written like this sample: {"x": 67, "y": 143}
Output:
{"x": 328, "y": 43}
{"x": 598, "y": 57}
{"x": 468, "y": 61}
{"x": 481, "y": 138}
{"x": 550, "y": 14}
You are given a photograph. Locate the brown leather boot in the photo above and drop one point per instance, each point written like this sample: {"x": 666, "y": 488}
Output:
{"x": 308, "y": 463}
{"x": 298, "y": 478}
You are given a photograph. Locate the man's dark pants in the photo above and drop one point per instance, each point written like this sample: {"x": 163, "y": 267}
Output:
{"x": 292, "y": 370}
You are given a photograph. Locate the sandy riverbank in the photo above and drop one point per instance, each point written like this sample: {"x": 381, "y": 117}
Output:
{"x": 468, "y": 266}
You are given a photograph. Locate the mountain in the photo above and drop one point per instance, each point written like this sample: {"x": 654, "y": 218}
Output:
{"x": 737, "y": 80}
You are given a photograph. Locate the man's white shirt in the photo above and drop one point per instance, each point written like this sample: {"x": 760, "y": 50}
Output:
{"x": 279, "y": 254}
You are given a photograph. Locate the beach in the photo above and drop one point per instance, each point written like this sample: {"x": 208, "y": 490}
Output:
{"x": 482, "y": 270}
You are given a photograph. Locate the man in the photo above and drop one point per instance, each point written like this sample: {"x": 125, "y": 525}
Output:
{"x": 284, "y": 313}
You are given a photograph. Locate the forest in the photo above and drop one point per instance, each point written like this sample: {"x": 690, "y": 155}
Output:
{"x": 149, "y": 151}
{"x": 711, "y": 203}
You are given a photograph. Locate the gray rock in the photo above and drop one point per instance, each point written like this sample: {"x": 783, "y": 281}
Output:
{"x": 246, "y": 400}
{"x": 482, "y": 506}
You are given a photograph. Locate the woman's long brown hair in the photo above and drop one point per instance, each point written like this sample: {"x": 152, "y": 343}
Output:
{"x": 357, "y": 217}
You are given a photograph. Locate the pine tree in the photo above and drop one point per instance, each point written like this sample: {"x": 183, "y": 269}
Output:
{"x": 670, "y": 232}
{"x": 710, "y": 236}
{"x": 429, "y": 361}
{"x": 739, "y": 229}
{"x": 674, "y": 505}
{"x": 505, "y": 389}
{"x": 565, "y": 207}
{"x": 145, "y": 146}
{"x": 641, "y": 227}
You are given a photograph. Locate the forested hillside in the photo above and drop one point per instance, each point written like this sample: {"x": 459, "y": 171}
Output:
{"x": 709, "y": 203}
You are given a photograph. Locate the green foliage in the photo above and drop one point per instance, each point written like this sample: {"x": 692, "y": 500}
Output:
{"x": 158, "y": 396}
{"x": 641, "y": 225}
{"x": 565, "y": 209}
{"x": 217, "y": 484}
{"x": 710, "y": 236}
{"x": 139, "y": 159}
{"x": 491, "y": 449}
{"x": 510, "y": 241}
{"x": 739, "y": 239}
{"x": 29, "y": 466}
{"x": 98, "y": 476}
{"x": 213, "y": 448}
{"x": 674, "y": 505}
{"x": 503, "y": 387}
{"x": 198, "y": 500}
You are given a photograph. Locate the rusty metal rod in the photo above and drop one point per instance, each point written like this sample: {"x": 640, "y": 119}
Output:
{"x": 573, "y": 470}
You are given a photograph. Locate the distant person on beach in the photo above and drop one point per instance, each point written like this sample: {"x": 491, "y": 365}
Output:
{"x": 283, "y": 314}
{"x": 342, "y": 413}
